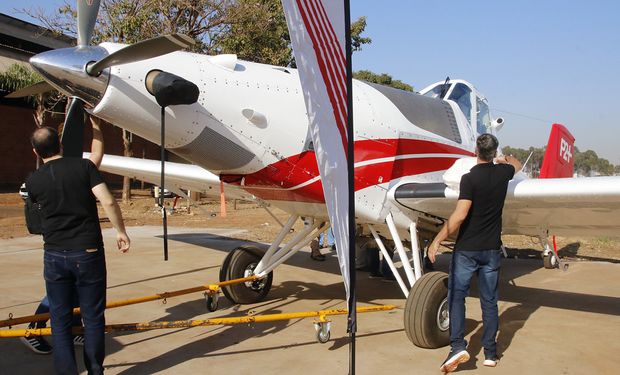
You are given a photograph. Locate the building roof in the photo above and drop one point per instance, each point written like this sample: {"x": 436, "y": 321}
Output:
{"x": 19, "y": 40}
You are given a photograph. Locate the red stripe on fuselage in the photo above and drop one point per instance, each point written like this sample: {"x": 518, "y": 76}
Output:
{"x": 280, "y": 181}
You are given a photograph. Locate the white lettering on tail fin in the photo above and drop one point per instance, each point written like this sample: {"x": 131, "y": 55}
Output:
{"x": 566, "y": 151}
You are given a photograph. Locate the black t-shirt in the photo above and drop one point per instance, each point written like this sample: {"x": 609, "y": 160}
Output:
{"x": 485, "y": 186}
{"x": 69, "y": 208}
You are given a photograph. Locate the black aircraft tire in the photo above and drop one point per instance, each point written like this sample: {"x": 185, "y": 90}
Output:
{"x": 422, "y": 309}
{"x": 234, "y": 267}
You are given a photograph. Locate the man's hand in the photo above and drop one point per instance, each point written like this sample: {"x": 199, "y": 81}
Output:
{"x": 123, "y": 242}
{"x": 432, "y": 251}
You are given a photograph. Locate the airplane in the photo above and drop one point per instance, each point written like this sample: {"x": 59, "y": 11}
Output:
{"x": 249, "y": 127}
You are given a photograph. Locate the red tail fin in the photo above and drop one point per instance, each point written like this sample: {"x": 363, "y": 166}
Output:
{"x": 558, "y": 160}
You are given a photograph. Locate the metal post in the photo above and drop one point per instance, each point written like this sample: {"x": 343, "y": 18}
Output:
{"x": 352, "y": 318}
{"x": 163, "y": 189}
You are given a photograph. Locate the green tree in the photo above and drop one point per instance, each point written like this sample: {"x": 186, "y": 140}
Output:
{"x": 586, "y": 163}
{"x": 257, "y": 31}
{"x": 253, "y": 29}
{"x": 357, "y": 40}
{"x": 381, "y": 79}
{"x": 130, "y": 21}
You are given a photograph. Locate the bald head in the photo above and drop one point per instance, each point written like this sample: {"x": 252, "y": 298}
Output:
{"x": 45, "y": 142}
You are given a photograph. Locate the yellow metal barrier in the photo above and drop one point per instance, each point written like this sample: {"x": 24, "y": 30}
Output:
{"x": 321, "y": 314}
{"x": 210, "y": 288}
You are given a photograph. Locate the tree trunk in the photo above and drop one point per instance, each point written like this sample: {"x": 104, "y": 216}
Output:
{"x": 38, "y": 115}
{"x": 126, "y": 152}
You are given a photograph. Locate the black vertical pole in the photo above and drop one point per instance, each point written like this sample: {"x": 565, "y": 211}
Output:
{"x": 352, "y": 317}
{"x": 161, "y": 186}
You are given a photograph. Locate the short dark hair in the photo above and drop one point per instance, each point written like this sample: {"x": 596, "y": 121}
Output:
{"x": 486, "y": 146}
{"x": 45, "y": 142}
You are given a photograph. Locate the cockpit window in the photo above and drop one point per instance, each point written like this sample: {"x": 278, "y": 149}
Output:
{"x": 436, "y": 91}
{"x": 483, "y": 122}
{"x": 461, "y": 95}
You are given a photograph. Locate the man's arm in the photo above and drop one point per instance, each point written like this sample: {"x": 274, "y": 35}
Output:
{"x": 509, "y": 159}
{"x": 113, "y": 211}
{"x": 96, "y": 148}
{"x": 451, "y": 226}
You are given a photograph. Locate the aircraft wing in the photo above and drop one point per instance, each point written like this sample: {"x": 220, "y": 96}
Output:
{"x": 178, "y": 176}
{"x": 587, "y": 206}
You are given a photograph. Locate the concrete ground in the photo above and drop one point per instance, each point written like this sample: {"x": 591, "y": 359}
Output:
{"x": 551, "y": 322}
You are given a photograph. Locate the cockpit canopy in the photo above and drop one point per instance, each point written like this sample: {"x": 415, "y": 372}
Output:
{"x": 471, "y": 102}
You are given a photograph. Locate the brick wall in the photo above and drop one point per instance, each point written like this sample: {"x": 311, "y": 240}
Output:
{"x": 17, "y": 160}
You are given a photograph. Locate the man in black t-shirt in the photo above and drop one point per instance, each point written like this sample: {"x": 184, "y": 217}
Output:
{"x": 478, "y": 214}
{"x": 37, "y": 343}
{"x": 67, "y": 190}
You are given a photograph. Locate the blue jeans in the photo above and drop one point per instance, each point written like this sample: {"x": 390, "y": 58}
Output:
{"x": 44, "y": 308}
{"x": 330, "y": 238}
{"x": 485, "y": 264}
{"x": 82, "y": 272}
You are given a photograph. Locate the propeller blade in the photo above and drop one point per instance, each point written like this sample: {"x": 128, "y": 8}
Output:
{"x": 72, "y": 137}
{"x": 146, "y": 49}
{"x": 86, "y": 16}
{"x": 37, "y": 88}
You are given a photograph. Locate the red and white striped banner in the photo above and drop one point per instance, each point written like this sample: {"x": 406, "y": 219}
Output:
{"x": 317, "y": 30}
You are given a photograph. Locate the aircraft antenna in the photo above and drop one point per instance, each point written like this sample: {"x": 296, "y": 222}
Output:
{"x": 444, "y": 87}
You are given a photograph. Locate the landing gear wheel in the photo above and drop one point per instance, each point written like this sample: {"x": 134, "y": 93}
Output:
{"x": 426, "y": 312}
{"x": 240, "y": 263}
{"x": 550, "y": 261}
{"x": 212, "y": 301}
{"x": 323, "y": 332}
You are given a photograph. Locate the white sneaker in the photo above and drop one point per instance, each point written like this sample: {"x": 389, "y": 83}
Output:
{"x": 490, "y": 362}
{"x": 454, "y": 360}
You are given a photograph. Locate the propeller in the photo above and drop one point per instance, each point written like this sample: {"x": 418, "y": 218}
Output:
{"x": 72, "y": 137}
{"x": 146, "y": 49}
{"x": 87, "y": 11}
{"x": 36, "y": 89}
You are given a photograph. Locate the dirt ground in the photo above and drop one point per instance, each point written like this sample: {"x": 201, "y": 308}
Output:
{"x": 261, "y": 227}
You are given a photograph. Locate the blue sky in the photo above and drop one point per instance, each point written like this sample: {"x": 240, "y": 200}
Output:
{"x": 537, "y": 62}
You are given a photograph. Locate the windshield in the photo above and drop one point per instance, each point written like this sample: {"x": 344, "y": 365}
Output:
{"x": 436, "y": 91}
{"x": 461, "y": 95}
{"x": 483, "y": 122}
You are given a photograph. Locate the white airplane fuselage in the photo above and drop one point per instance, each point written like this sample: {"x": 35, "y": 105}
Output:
{"x": 250, "y": 127}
